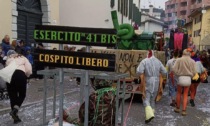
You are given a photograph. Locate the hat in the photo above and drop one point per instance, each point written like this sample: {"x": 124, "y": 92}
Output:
{"x": 193, "y": 54}
{"x": 27, "y": 48}
{"x": 10, "y": 52}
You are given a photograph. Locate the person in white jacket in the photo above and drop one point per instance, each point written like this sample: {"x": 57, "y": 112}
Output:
{"x": 151, "y": 67}
{"x": 17, "y": 87}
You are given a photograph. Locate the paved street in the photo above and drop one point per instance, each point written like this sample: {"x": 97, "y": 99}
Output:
{"x": 32, "y": 114}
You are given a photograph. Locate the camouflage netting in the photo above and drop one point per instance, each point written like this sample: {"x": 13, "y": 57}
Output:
{"x": 101, "y": 108}
{"x": 100, "y": 83}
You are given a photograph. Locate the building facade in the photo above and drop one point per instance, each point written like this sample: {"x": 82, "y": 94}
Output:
{"x": 200, "y": 26}
{"x": 181, "y": 9}
{"x": 151, "y": 24}
{"x": 154, "y": 12}
{"x": 152, "y": 19}
{"x": 19, "y": 17}
{"x": 97, "y": 13}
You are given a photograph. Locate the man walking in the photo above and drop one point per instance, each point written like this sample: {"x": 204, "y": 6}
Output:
{"x": 151, "y": 67}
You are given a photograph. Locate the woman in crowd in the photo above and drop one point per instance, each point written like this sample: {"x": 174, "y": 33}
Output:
{"x": 193, "y": 87}
{"x": 172, "y": 78}
{"x": 17, "y": 87}
{"x": 184, "y": 66}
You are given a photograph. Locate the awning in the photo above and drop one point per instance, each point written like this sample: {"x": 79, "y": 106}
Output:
{"x": 205, "y": 40}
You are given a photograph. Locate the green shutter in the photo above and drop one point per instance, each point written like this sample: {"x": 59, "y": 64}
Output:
{"x": 112, "y": 3}
{"x": 126, "y": 8}
{"x": 119, "y": 5}
{"x": 130, "y": 9}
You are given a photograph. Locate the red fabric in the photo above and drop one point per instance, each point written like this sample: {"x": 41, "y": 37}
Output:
{"x": 149, "y": 54}
{"x": 178, "y": 38}
{"x": 184, "y": 99}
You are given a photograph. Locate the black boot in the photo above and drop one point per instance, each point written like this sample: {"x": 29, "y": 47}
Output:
{"x": 14, "y": 115}
{"x": 192, "y": 102}
{"x": 17, "y": 120}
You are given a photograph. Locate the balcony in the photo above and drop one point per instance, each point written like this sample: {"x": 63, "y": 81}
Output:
{"x": 198, "y": 5}
{"x": 173, "y": 9}
{"x": 168, "y": 11}
{"x": 183, "y": 1}
{"x": 182, "y": 16}
{"x": 183, "y": 8}
{"x": 167, "y": 3}
{"x": 173, "y": 1}
{"x": 193, "y": 6}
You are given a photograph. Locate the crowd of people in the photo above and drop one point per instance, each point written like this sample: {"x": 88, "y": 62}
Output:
{"x": 16, "y": 56}
{"x": 19, "y": 52}
{"x": 185, "y": 69}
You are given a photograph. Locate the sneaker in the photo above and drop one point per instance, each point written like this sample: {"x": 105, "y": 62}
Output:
{"x": 192, "y": 102}
{"x": 184, "y": 113}
{"x": 173, "y": 103}
{"x": 78, "y": 83}
{"x": 176, "y": 110}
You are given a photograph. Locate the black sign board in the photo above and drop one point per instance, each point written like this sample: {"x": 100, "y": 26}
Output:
{"x": 75, "y": 35}
{"x": 78, "y": 60}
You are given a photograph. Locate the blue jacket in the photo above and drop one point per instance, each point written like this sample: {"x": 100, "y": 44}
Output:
{"x": 30, "y": 58}
{"x": 5, "y": 47}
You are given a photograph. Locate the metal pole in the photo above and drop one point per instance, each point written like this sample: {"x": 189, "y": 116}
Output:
{"x": 81, "y": 90}
{"x": 123, "y": 101}
{"x": 86, "y": 91}
{"x": 45, "y": 100}
{"x": 61, "y": 76}
{"x": 54, "y": 96}
{"x": 117, "y": 102}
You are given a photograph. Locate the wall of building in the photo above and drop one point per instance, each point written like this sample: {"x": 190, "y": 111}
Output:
{"x": 54, "y": 12}
{"x": 54, "y": 17}
{"x": 155, "y": 27}
{"x": 82, "y": 13}
{"x": 189, "y": 29}
{"x": 95, "y": 14}
{"x": 205, "y": 30}
{"x": 178, "y": 8}
{"x": 197, "y": 26}
{"x": 5, "y": 18}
